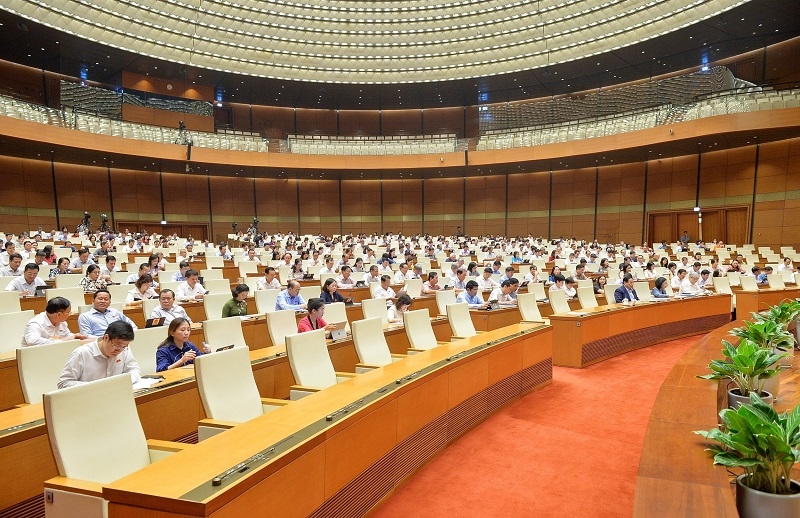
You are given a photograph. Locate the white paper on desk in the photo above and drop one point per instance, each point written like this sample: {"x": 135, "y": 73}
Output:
{"x": 144, "y": 383}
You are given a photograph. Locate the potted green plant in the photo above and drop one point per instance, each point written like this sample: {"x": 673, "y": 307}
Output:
{"x": 748, "y": 367}
{"x": 765, "y": 445}
{"x": 767, "y": 334}
{"x": 785, "y": 314}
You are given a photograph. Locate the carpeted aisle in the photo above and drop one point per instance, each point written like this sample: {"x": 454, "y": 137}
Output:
{"x": 569, "y": 449}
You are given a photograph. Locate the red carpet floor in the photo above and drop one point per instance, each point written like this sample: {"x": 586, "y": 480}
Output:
{"x": 569, "y": 449}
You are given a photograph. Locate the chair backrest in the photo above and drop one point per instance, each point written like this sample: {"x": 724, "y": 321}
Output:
{"x": 169, "y": 285}
{"x": 68, "y": 280}
{"x": 226, "y": 385}
{"x": 748, "y": 282}
{"x": 213, "y": 302}
{"x": 721, "y": 285}
{"x": 121, "y": 277}
{"x": 443, "y": 298}
{"x": 460, "y": 321}
{"x": 217, "y": 286}
{"x": 537, "y": 288}
{"x": 642, "y": 290}
{"x": 414, "y": 287}
{"x": 87, "y": 424}
{"x": 335, "y": 313}
{"x": 44, "y": 271}
{"x": 585, "y": 283}
{"x": 246, "y": 267}
{"x": 220, "y": 332}
{"x": 148, "y": 305}
{"x": 119, "y": 291}
{"x": 419, "y": 329}
{"x": 370, "y": 342}
{"x": 213, "y": 261}
{"x": 608, "y": 290}
{"x": 144, "y": 345}
{"x": 280, "y": 324}
{"x": 40, "y": 367}
{"x": 375, "y": 308}
{"x": 9, "y": 302}
{"x": 776, "y": 281}
{"x": 266, "y": 300}
{"x": 12, "y": 325}
{"x": 733, "y": 278}
{"x": 586, "y": 298}
{"x": 558, "y": 301}
{"x": 73, "y": 295}
{"x": 528, "y": 307}
{"x": 372, "y": 287}
{"x": 309, "y": 359}
{"x": 210, "y": 274}
{"x": 310, "y": 292}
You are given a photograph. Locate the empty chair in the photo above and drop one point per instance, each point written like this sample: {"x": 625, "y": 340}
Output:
{"x": 311, "y": 364}
{"x": 558, "y": 302}
{"x": 529, "y": 308}
{"x": 86, "y": 425}
{"x": 734, "y": 278}
{"x": 224, "y": 331}
{"x": 419, "y": 330}
{"x": 609, "y": 293}
{"x": 460, "y": 322}
{"x": 413, "y": 287}
{"x": 144, "y": 345}
{"x": 266, "y": 300}
{"x": 40, "y": 367}
{"x": 210, "y": 274}
{"x": 443, "y": 298}
{"x": 280, "y": 324}
{"x": 168, "y": 285}
{"x": 12, "y": 326}
{"x": 310, "y": 292}
{"x": 9, "y": 302}
{"x": 68, "y": 280}
{"x": 642, "y": 289}
{"x": 371, "y": 346}
{"x": 586, "y": 298}
{"x": 213, "y": 261}
{"x": 721, "y": 286}
{"x": 228, "y": 391}
{"x": 748, "y": 283}
{"x": 213, "y": 303}
{"x": 375, "y": 308}
{"x": 246, "y": 267}
{"x": 73, "y": 295}
{"x": 118, "y": 292}
{"x": 148, "y": 305}
{"x": 537, "y": 288}
{"x": 217, "y": 286}
{"x": 775, "y": 281}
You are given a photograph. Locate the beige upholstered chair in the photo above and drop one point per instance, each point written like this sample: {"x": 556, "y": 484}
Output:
{"x": 414, "y": 287}
{"x": 537, "y": 288}
{"x": 217, "y": 286}
{"x": 375, "y": 308}
{"x": 775, "y": 281}
{"x": 642, "y": 289}
{"x": 558, "y": 302}
{"x": 529, "y": 308}
{"x": 68, "y": 280}
{"x": 228, "y": 391}
{"x": 419, "y": 331}
{"x": 311, "y": 364}
{"x": 443, "y": 298}
{"x": 73, "y": 295}
{"x": 40, "y": 367}
{"x": 266, "y": 300}
{"x": 220, "y": 332}
{"x": 371, "y": 346}
{"x": 748, "y": 282}
{"x": 12, "y": 325}
{"x": 213, "y": 303}
{"x": 9, "y": 302}
{"x": 280, "y": 324}
{"x": 86, "y": 425}
{"x": 460, "y": 322}
{"x": 209, "y": 274}
{"x": 144, "y": 346}
{"x": 335, "y": 313}
{"x": 586, "y": 298}
{"x": 119, "y": 291}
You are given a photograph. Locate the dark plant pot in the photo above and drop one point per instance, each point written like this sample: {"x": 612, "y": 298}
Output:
{"x": 755, "y": 504}
{"x": 735, "y": 399}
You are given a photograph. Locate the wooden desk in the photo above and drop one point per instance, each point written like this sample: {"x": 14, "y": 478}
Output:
{"x": 748, "y": 302}
{"x": 29, "y": 450}
{"x": 676, "y": 477}
{"x": 588, "y": 336}
{"x": 489, "y": 320}
{"x": 352, "y": 461}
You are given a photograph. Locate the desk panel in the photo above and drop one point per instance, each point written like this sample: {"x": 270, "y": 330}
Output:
{"x": 748, "y": 302}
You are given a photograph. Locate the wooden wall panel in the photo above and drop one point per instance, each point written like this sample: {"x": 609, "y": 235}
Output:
{"x": 486, "y": 205}
{"x": 310, "y": 122}
{"x": 443, "y": 121}
{"x": 319, "y": 207}
{"x": 277, "y": 204}
{"x": 359, "y": 122}
{"x": 82, "y": 188}
{"x": 275, "y": 122}
{"x": 401, "y": 122}
{"x": 444, "y": 205}
{"x": 27, "y": 194}
{"x": 185, "y": 197}
{"x": 361, "y": 206}
{"x": 136, "y": 195}
{"x": 528, "y": 203}
{"x": 402, "y": 205}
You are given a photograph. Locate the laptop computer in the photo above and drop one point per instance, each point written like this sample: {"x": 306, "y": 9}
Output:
{"x": 40, "y": 291}
{"x": 154, "y": 322}
{"x": 308, "y": 276}
{"x": 493, "y": 304}
{"x": 360, "y": 284}
{"x": 339, "y": 331}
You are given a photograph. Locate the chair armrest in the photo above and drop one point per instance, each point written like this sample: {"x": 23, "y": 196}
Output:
{"x": 299, "y": 391}
{"x": 170, "y": 446}
{"x": 270, "y": 404}
{"x": 399, "y": 356}
{"x": 304, "y": 388}
{"x": 346, "y": 374}
{"x": 532, "y": 321}
{"x": 366, "y": 367}
{"x": 74, "y": 485}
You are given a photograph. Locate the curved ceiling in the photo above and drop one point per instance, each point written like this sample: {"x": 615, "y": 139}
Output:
{"x": 347, "y": 54}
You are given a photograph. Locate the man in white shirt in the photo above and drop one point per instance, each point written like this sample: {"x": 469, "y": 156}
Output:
{"x": 690, "y": 285}
{"x": 250, "y": 257}
{"x": 328, "y": 269}
{"x": 345, "y": 280}
{"x": 385, "y": 268}
{"x": 677, "y": 280}
{"x": 503, "y": 294}
{"x": 191, "y": 289}
{"x": 485, "y": 281}
{"x": 384, "y": 291}
{"x": 105, "y": 357}
{"x": 786, "y": 266}
{"x": 27, "y": 283}
{"x": 28, "y": 251}
{"x": 269, "y": 281}
{"x": 83, "y": 259}
{"x": 223, "y": 252}
{"x": 167, "y": 308}
{"x": 50, "y": 325}
{"x": 5, "y": 257}
{"x": 401, "y": 275}
{"x": 372, "y": 275}
{"x": 460, "y": 281}
{"x": 12, "y": 269}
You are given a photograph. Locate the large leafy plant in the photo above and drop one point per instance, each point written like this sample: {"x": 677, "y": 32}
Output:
{"x": 782, "y": 313}
{"x": 759, "y": 440}
{"x": 765, "y": 333}
{"x": 747, "y": 365}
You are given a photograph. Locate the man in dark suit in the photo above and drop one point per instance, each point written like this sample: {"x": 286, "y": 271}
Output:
{"x": 626, "y": 291}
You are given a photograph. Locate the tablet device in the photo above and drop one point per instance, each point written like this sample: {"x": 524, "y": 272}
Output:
{"x": 339, "y": 332}
{"x": 40, "y": 291}
{"x": 308, "y": 276}
{"x": 348, "y": 301}
{"x": 225, "y": 348}
{"x": 360, "y": 284}
{"x": 524, "y": 284}
{"x": 154, "y": 322}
